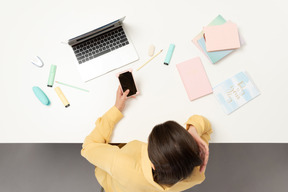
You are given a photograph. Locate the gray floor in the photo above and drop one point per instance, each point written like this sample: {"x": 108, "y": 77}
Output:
{"x": 59, "y": 167}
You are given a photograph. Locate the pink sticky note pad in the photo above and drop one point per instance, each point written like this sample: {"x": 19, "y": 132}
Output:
{"x": 194, "y": 78}
{"x": 222, "y": 37}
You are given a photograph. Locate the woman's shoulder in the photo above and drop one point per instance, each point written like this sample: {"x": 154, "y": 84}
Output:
{"x": 130, "y": 155}
{"x": 136, "y": 144}
{"x": 133, "y": 148}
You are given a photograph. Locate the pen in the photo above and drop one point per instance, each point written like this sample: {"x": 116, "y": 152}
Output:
{"x": 71, "y": 86}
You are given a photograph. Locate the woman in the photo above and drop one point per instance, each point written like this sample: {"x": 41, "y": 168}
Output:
{"x": 173, "y": 160}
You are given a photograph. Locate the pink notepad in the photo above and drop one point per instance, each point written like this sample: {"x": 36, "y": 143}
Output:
{"x": 194, "y": 78}
{"x": 222, "y": 37}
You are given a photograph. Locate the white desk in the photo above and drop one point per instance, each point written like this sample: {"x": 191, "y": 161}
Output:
{"x": 30, "y": 28}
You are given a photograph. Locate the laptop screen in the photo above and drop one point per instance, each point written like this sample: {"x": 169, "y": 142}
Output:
{"x": 94, "y": 32}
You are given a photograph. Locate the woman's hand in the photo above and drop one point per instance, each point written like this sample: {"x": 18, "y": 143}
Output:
{"x": 121, "y": 99}
{"x": 203, "y": 147}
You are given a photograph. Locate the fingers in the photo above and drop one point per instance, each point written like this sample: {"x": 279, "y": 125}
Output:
{"x": 205, "y": 161}
{"x": 120, "y": 94}
{"x": 202, "y": 168}
{"x": 204, "y": 164}
{"x": 126, "y": 93}
{"x": 204, "y": 154}
{"x": 121, "y": 99}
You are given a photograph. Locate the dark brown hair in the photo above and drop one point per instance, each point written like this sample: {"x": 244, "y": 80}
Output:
{"x": 173, "y": 152}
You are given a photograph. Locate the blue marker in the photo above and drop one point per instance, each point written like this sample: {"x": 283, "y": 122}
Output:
{"x": 41, "y": 95}
{"x": 169, "y": 54}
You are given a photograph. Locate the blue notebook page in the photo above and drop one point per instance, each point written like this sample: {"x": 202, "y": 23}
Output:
{"x": 214, "y": 56}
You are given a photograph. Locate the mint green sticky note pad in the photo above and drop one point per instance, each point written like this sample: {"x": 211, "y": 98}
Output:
{"x": 219, "y": 20}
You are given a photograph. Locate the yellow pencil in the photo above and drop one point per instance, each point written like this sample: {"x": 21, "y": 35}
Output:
{"x": 150, "y": 59}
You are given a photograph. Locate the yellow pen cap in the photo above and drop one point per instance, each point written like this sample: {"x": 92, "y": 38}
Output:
{"x": 62, "y": 96}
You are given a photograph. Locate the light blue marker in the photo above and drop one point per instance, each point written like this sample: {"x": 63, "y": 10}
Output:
{"x": 41, "y": 95}
{"x": 169, "y": 54}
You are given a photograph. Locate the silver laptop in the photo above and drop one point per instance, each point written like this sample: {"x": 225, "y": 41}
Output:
{"x": 102, "y": 50}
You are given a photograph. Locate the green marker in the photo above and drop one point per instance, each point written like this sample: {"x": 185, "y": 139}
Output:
{"x": 51, "y": 75}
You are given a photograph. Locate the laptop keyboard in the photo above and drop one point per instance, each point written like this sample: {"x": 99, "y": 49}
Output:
{"x": 100, "y": 45}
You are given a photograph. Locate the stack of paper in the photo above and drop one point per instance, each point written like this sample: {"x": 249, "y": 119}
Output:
{"x": 218, "y": 39}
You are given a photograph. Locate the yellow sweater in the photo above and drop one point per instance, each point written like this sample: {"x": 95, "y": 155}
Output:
{"x": 129, "y": 169}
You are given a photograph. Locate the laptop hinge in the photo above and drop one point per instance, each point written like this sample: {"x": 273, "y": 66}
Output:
{"x": 93, "y": 33}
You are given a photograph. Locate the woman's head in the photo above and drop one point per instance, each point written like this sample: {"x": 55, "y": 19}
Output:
{"x": 173, "y": 152}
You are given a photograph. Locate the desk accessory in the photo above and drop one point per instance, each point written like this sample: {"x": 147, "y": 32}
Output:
{"x": 151, "y": 50}
{"x": 72, "y": 86}
{"x": 219, "y": 20}
{"x": 200, "y": 43}
{"x": 235, "y": 92}
{"x": 37, "y": 61}
{"x": 194, "y": 78}
{"x": 51, "y": 75}
{"x": 214, "y": 56}
{"x": 62, "y": 97}
{"x": 150, "y": 59}
{"x": 41, "y": 95}
{"x": 169, "y": 54}
{"x": 221, "y": 37}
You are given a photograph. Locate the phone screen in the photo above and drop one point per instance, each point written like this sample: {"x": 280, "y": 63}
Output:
{"x": 127, "y": 82}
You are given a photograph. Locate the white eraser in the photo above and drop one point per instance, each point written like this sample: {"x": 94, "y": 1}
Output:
{"x": 151, "y": 50}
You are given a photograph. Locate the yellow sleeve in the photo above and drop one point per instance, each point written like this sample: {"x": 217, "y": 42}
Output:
{"x": 202, "y": 126}
{"x": 95, "y": 147}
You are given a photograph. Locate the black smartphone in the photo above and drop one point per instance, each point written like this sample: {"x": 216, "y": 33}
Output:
{"x": 127, "y": 82}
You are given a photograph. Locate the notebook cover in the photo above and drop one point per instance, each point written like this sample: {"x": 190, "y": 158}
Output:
{"x": 235, "y": 92}
{"x": 219, "y": 20}
{"x": 194, "y": 78}
{"x": 221, "y": 37}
